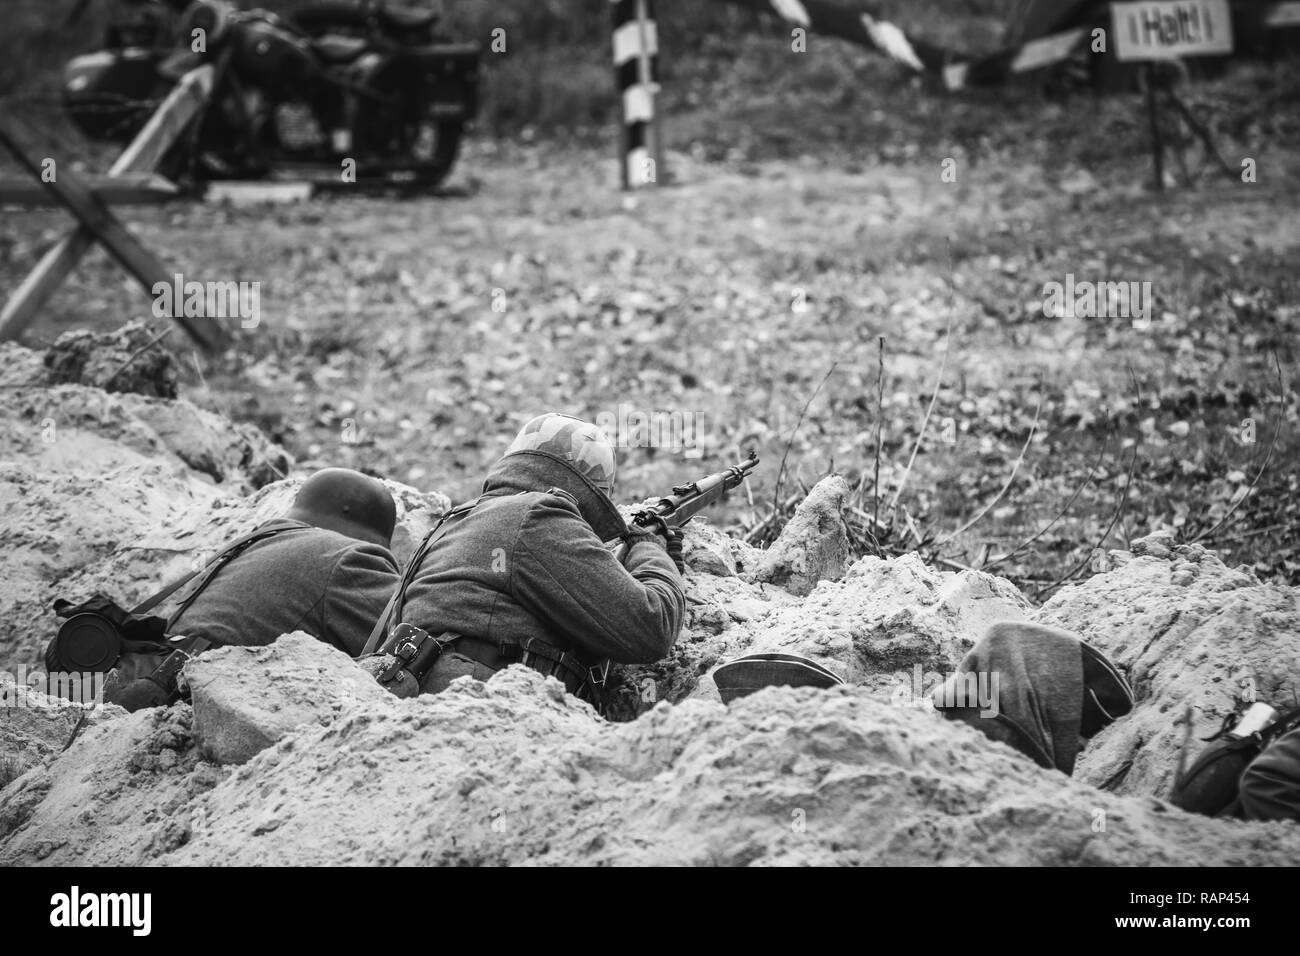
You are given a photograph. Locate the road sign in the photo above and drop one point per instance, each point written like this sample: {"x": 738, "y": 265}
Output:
{"x": 1171, "y": 29}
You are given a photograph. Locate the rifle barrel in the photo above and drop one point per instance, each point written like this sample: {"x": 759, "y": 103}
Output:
{"x": 686, "y": 501}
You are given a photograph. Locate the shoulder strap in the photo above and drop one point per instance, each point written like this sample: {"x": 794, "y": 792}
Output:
{"x": 210, "y": 569}
{"x": 377, "y": 632}
{"x": 151, "y": 602}
{"x": 381, "y": 626}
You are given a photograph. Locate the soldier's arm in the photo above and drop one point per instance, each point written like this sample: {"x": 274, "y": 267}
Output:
{"x": 1270, "y": 787}
{"x": 562, "y": 572}
{"x": 356, "y": 593}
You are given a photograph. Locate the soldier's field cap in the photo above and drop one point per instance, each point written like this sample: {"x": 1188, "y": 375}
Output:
{"x": 753, "y": 672}
{"x": 580, "y": 443}
{"x": 346, "y": 501}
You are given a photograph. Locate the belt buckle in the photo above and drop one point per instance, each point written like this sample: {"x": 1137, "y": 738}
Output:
{"x": 407, "y": 639}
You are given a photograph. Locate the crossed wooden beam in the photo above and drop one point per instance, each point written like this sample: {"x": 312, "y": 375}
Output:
{"x": 131, "y": 176}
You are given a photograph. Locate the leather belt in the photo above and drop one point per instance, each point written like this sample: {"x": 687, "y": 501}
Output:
{"x": 577, "y": 678}
{"x": 487, "y": 653}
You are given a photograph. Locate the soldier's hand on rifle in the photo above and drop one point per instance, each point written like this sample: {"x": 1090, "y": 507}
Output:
{"x": 674, "y": 548}
{"x": 667, "y": 537}
{"x": 651, "y": 522}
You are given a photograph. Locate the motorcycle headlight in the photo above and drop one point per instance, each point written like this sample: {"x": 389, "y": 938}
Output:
{"x": 210, "y": 16}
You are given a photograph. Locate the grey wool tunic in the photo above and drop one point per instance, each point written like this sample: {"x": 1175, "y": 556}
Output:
{"x": 529, "y": 562}
{"x": 305, "y": 579}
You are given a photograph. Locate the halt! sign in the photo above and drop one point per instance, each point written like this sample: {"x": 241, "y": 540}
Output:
{"x": 1168, "y": 29}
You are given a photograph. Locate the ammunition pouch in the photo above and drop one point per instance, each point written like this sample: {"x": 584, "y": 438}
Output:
{"x": 407, "y": 657}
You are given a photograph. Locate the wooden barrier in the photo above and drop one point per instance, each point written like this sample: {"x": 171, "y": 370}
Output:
{"x": 88, "y": 199}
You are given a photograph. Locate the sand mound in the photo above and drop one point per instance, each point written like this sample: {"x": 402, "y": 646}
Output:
{"x": 515, "y": 772}
{"x": 290, "y": 754}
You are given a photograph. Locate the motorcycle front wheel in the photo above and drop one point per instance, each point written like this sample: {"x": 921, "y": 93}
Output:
{"x": 433, "y": 146}
{"x": 414, "y": 154}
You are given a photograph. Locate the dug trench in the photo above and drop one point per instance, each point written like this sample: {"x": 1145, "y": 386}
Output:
{"x": 290, "y": 754}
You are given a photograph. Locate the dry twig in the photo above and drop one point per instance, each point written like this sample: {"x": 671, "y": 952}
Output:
{"x": 1059, "y": 515}
{"x": 780, "y": 474}
{"x": 1277, "y": 430}
{"x": 1033, "y": 429}
{"x": 1123, "y": 503}
{"x": 934, "y": 396}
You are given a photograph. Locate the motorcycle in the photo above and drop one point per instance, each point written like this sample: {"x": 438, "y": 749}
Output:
{"x": 301, "y": 96}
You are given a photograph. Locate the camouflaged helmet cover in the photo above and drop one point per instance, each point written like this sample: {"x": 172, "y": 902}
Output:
{"x": 580, "y": 443}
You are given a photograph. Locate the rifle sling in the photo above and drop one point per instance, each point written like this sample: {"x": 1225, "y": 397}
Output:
{"x": 209, "y": 571}
{"x": 380, "y": 629}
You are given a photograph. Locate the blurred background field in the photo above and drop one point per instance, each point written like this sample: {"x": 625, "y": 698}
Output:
{"x": 556, "y": 65}
{"x": 813, "y": 177}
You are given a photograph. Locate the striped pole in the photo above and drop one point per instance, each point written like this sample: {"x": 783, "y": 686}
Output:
{"x": 636, "y": 68}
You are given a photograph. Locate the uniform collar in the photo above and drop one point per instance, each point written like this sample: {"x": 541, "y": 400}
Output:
{"x": 533, "y": 470}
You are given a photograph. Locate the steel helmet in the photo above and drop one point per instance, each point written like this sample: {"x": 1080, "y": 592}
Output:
{"x": 346, "y": 501}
